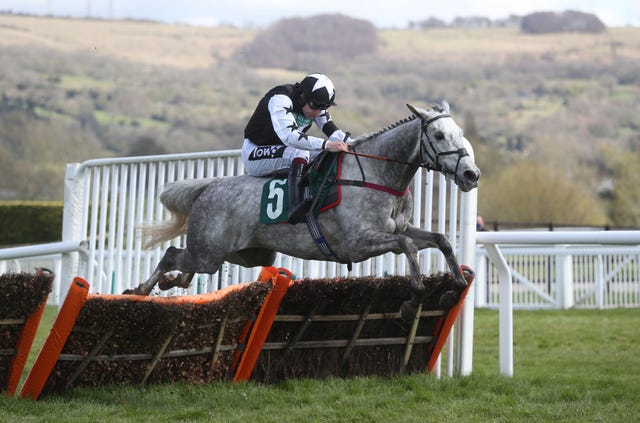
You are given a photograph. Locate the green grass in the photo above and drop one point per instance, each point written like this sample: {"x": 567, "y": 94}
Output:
{"x": 570, "y": 366}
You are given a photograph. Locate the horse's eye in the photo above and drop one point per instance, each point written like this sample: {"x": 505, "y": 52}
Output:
{"x": 439, "y": 135}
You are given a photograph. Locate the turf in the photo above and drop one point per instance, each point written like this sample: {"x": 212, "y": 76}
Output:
{"x": 570, "y": 366}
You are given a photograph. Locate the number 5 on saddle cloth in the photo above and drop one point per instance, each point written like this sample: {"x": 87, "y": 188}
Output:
{"x": 321, "y": 176}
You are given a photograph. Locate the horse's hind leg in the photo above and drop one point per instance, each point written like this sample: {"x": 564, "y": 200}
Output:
{"x": 167, "y": 263}
{"x": 168, "y": 281}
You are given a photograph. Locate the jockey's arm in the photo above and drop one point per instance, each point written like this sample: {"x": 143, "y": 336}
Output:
{"x": 329, "y": 128}
{"x": 286, "y": 127}
{"x": 338, "y": 139}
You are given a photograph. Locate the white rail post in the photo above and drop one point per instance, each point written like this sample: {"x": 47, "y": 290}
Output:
{"x": 564, "y": 280}
{"x": 481, "y": 281}
{"x": 71, "y": 227}
{"x": 505, "y": 309}
{"x": 464, "y": 335}
{"x": 599, "y": 282}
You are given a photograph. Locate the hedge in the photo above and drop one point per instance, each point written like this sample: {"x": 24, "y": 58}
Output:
{"x": 30, "y": 222}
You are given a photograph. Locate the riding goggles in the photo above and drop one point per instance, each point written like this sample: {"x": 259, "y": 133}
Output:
{"x": 318, "y": 106}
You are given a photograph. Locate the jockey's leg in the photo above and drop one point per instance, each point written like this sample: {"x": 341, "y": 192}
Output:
{"x": 299, "y": 202}
{"x": 265, "y": 160}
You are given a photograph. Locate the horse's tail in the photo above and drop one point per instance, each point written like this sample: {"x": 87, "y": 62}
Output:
{"x": 177, "y": 197}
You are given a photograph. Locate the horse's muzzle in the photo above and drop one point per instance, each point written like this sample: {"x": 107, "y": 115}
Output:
{"x": 468, "y": 178}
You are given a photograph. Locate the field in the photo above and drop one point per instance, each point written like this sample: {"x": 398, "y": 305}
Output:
{"x": 193, "y": 47}
{"x": 565, "y": 105}
{"x": 149, "y": 43}
{"x": 570, "y": 366}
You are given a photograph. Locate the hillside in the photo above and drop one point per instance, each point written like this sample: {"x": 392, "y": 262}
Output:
{"x": 567, "y": 104}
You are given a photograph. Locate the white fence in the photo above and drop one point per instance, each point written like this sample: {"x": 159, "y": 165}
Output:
{"x": 563, "y": 276}
{"x": 543, "y": 277}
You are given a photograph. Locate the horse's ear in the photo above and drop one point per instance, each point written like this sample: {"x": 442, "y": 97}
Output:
{"x": 413, "y": 110}
{"x": 445, "y": 106}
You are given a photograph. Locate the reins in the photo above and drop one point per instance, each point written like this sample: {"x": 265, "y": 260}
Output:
{"x": 434, "y": 155}
{"x": 371, "y": 156}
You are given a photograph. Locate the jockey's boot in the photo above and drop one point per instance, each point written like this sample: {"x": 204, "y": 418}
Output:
{"x": 298, "y": 203}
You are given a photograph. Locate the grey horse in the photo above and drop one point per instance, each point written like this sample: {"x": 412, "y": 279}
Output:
{"x": 221, "y": 215}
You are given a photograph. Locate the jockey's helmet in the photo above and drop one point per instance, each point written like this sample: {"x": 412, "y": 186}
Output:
{"x": 318, "y": 91}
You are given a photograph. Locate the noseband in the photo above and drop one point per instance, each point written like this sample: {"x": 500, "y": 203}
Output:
{"x": 433, "y": 162}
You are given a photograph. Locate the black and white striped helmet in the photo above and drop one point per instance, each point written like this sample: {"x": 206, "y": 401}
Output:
{"x": 318, "y": 91}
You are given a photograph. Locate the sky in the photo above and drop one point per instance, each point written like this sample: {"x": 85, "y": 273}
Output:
{"x": 261, "y": 13}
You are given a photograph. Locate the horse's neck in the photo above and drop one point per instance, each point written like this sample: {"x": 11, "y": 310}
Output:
{"x": 399, "y": 143}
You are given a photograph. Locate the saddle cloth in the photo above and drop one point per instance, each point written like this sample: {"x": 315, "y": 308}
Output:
{"x": 320, "y": 176}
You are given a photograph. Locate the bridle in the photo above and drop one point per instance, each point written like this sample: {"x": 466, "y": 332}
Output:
{"x": 434, "y": 155}
{"x": 426, "y": 144}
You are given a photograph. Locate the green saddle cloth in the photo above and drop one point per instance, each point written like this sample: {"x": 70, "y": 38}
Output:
{"x": 321, "y": 176}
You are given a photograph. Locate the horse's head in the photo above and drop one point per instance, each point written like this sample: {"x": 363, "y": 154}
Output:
{"x": 444, "y": 148}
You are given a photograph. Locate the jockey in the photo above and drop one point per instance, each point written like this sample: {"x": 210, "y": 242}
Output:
{"x": 275, "y": 137}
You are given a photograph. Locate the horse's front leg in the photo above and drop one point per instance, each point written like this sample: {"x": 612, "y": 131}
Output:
{"x": 424, "y": 239}
{"x": 372, "y": 243}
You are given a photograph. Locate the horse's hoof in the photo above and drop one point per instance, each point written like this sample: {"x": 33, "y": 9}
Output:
{"x": 448, "y": 300}
{"x": 408, "y": 311}
{"x": 135, "y": 291}
{"x": 168, "y": 281}
{"x": 467, "y": 273}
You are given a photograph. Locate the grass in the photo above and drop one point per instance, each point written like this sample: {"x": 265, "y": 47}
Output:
{"x": 191, "y": 47}
{"x": 145, "y": 43}
{"x": 457, "y": 45}
{"x": 570, "y": 366}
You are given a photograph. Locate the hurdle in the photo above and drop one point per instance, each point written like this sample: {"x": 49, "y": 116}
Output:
{"x": 23, "y": 298}
{"x": 264, "y": 331}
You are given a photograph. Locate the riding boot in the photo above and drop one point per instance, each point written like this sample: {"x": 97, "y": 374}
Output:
{"x": 298, "y": 204}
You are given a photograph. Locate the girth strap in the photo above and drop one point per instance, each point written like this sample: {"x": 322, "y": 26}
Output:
{"x": 314, "y": 228}
{"x": 321, "y": 241}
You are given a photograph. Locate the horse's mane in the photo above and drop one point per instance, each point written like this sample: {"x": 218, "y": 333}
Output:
{"x": 367, "y": 137}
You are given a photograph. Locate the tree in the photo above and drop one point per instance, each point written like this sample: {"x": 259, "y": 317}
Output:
{"x": 146, "y": 146}
{"x": 568, "y": 21}
{"x": 305, "y": 43}
{"x": 535, "y": 193}
{"x": 624, "y": 207}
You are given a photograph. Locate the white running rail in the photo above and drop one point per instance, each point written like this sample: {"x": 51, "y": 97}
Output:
{"x": 492, "y": 240}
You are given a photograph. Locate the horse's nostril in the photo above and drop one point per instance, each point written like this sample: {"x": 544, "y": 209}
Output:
{"x": 471, "y": 175}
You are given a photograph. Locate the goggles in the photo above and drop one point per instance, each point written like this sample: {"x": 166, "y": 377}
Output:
{"x": 318, "y": 106}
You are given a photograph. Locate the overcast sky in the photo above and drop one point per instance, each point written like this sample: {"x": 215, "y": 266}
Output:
{"x": 384, "y": 14}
